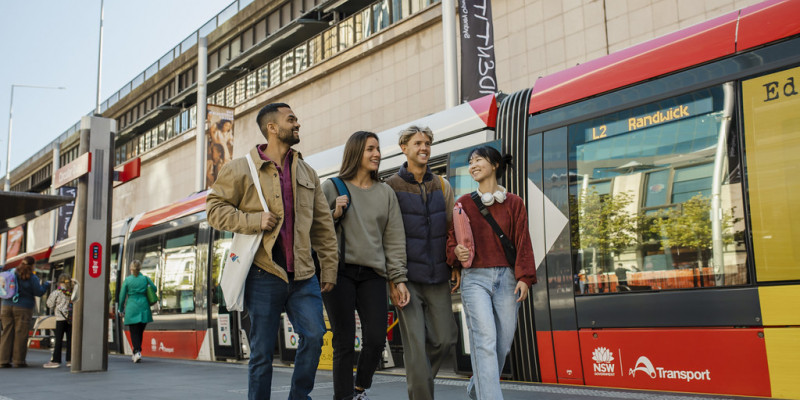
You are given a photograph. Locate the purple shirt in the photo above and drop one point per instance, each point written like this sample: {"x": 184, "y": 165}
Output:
{"x": 286, "y": 234}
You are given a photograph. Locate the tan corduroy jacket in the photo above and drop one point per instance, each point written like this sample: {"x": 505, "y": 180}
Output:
{"x": 233, "y": 205}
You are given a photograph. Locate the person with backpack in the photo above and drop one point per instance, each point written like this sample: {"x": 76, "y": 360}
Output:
{"x": 372, "y": 250}
{"x": 501, "y": 272}
{"x": 60, "y": 300}
{"x": 16, "y": 314}
{"x": 427, "y": 325}
{"x": 134, "y": 306}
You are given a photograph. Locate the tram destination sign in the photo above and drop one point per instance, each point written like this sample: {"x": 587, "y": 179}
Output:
{"x": 647, "y": 116}
{"x": 74, "y": 170}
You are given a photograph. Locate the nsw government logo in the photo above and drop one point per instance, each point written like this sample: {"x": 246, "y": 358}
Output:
{"x": 603, "y": 362}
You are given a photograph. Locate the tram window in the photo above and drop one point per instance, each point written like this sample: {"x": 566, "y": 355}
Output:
{"x": 642, "y": 199}
{"x": 177, "y": 277}
{"x": 222, "y": 244}
{"x": 459, "y": 176}
{"x": 148, "y": 251}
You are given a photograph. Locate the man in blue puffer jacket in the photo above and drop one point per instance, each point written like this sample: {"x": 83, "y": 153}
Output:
{"x": 427, "y": 325}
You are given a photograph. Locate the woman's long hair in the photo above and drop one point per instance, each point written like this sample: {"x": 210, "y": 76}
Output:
{"x": 353, "y": 153}
{"x": 25, "y": 269}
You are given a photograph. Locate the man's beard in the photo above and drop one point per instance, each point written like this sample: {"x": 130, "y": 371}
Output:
{"x": 287, "y": 136}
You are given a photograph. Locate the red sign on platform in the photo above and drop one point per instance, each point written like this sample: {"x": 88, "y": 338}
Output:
{"x": 721, "y": 361}
{"x": 128, "y": 171}
{"x": 95, "y": 260}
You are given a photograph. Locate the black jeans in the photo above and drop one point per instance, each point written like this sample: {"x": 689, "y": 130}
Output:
{"x": 137, "y": 332}
{"x": 357, "y": 289}
{"x": 62, "y": 327}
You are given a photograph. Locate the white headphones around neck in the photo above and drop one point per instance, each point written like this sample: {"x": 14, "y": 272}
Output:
{"x": 489, "y": 198}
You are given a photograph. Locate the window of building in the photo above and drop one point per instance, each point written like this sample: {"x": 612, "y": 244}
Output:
{"x": 642, "y": 198}
{"x": 263, "y": 78}
{"x": 275, "y": 73}
{"x": 330, "y": 42}
{"x": 288, "y": 65}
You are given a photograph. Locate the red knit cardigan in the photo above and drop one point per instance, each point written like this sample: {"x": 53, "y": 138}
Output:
{"x": 512, "y": 218}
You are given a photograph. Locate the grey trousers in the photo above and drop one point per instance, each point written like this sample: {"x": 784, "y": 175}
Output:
{"x": 428, "y": 330}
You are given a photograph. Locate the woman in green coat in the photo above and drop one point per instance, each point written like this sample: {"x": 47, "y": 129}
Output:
{"x": 136, "y": 309}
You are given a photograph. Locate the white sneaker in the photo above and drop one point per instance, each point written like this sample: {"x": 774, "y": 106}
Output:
{"x": 136, "y": 357}
{"x": 52, "y": 365}
{"x": 139, "y": 357}
{"x": 361, "y": 396}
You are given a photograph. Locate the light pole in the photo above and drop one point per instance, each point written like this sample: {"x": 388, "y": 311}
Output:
{"x": 7, "y": 185}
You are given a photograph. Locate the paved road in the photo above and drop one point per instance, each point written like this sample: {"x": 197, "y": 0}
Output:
{"x": 196, "y": 380}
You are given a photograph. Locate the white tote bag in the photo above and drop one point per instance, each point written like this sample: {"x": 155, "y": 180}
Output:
{"x": 240, "y": 257}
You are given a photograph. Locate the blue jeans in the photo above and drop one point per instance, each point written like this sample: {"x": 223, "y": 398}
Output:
{"x": 266, "y": 296}
{"x": 491, "y": 310}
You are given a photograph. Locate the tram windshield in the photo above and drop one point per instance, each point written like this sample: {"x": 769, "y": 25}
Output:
{"x": 647, "y": 210}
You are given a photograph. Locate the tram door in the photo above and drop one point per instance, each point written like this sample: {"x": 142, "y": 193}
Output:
{"x": 229, "y": 342}
{"x": 114, "y": 321}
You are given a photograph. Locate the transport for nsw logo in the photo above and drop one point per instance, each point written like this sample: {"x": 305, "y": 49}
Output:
{"x": 603, "y": 362}
{"x": 643, "y": 364}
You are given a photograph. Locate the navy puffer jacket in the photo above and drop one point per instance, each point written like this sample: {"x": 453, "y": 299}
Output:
{"x": 427, "y": 210}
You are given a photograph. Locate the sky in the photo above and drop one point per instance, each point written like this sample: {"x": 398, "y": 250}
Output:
{"x": 55, "y": 43}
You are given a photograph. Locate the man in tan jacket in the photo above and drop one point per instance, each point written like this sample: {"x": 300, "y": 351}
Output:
{"x": 282, "y": 277}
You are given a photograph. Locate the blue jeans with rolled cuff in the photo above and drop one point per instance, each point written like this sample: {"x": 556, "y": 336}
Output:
{"x": 490, "y": 306}
{"x": 266, "y": 296}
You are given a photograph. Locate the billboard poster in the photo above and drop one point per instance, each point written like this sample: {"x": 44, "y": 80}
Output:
{"x": 219, "y": 140}
{"x": 16, "y": 239}
{"x": 65, "y": 212}
{"x": 478, "y": 76}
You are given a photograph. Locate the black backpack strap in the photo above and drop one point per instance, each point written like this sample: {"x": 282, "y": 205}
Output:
{"x": 508, "y": 247}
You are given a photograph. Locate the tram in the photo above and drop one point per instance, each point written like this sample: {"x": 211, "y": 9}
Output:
{"x": 658, "y": 186}
{"x": 659, "y": 192}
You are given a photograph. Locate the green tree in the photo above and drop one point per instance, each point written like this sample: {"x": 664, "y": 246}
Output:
{"x": 605, "y": 225}
{"x": 689, "y": 226}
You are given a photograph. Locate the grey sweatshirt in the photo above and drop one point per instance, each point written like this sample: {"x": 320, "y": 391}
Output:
{"x": 373, "y": 225}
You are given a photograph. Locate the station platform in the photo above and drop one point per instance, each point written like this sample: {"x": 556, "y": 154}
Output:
{"x": 157, "y": 378}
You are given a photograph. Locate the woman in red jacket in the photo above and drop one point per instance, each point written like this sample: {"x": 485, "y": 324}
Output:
{"x": 493, "y": 287}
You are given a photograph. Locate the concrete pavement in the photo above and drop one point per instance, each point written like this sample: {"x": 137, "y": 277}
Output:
{"x": 155, "y": 378}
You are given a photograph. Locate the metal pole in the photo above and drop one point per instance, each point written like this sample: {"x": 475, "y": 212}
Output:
{"x": 7, "y": 185}
{"x": 81, "y": 205}
{"x": 54, "y": 191}
{"x": 720, "y": 158}
{"x": 200, "y": 135}
{"x": 449, "y": 47}
{"x": 99, "y": 60}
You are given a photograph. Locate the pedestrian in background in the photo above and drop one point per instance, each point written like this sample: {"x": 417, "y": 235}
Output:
{"x": 373, "y": 250}
{"x": 134, "y": 306}
{"x": 60, "y": 300}
{"x": 493, "y": 287}
{"x": 427, "y": 324}
{"x": 282, "y": 277}
{"x": 16, "y": 315}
